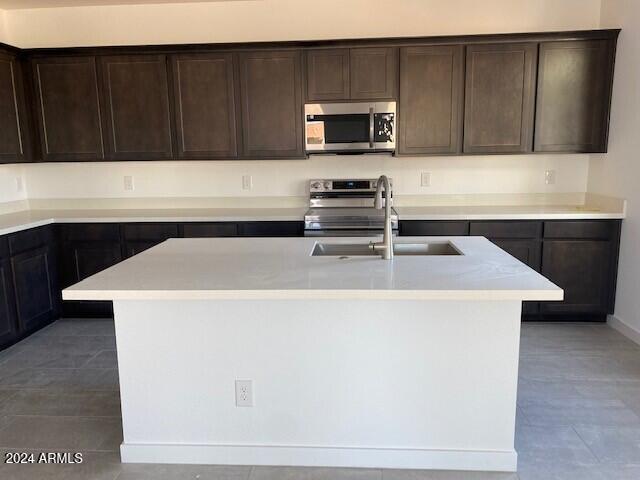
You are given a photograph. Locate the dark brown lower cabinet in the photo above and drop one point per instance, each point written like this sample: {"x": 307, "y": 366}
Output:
{"x": 580, "y": 256}
{"x": 8, "y": 326}
{"x": 35, "y": 287}
{"x": 582, "y": 268}
{"x": 138, "y": 237}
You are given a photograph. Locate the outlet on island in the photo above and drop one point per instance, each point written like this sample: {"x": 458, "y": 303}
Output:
{"x": 244, "y": 393}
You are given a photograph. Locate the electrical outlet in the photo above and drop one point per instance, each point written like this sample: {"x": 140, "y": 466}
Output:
{"x": 129, "y": 186}
{"x": 19, "y": 184}
{"x": 425, "y": 179}
{"x": 550, "y": 177}
{"x": 247, "y": 182}
{"x": 244, "y": 393}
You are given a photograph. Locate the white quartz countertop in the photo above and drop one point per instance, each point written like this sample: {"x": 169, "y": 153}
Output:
{"x": 15, "y": 222}
{"x": 509, "y": 212}
{"x": 282, "y": 268}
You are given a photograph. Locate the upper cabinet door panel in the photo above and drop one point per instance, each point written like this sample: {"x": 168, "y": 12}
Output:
{"x": 137, "y": 107}
{"x": 499, "y": 95}
{"x": 431, "y": 82}
{"x": 11, "y": 135}
{"x": 205, "y": 105}
{"x": 574, "y": 89}
{"x": 271, "y": 96}
{"x": 373, "y": 73}
{"x": 68, "y": 108}
{"x": 328, "y": 74}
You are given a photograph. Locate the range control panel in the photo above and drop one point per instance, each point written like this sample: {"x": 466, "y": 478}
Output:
{"x": 344, "y": 185}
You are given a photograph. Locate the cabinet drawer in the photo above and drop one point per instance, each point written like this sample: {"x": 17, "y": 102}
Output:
{"x": 506, "y": 229}
{"x": 4, "y": 247}
{"x": 91, "y": 232}
{"x": 149, "y": 231}
{"x": 271, "y": 229}
{"x": 222, "y": 229}
{"x": 592, "y": 229}
{"x": 29, "y": 239}
{"x": 419, "y": 227}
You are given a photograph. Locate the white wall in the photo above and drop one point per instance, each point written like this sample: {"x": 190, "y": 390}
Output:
{"x": 3, "y": 28}
{"x": 243, "y": 20}
{"x": 450, "y": 175}
{"x": 253, "y": 20}
{"x": 618, "y": 172}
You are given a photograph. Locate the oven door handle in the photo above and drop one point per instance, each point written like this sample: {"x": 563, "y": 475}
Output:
{"x": 371, "y": 122}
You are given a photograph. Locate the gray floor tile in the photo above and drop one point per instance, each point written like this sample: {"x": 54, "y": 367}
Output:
{"x": 37, "y": 357}
{"x": 72, "y": 343}
{"x": 552, "y": 444}
{"x": 51, "y": 433}
{"x": 586, "y": 412}
{"x": 95, "y": 466}
{"x": 103, "y": 359}
{"x": 183, "y": 472}
{"x": 63, "y": 403}
{"x": 445, "y": 475}
{"x": 613, "y": 445}
{"x": 319, "y": 473}
{"x": 62, "y": 378}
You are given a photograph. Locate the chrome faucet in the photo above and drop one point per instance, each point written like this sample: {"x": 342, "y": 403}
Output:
{"x": 385, "y": 248}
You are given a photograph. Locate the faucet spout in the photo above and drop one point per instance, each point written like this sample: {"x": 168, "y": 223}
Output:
{"x": 385, "y": 248}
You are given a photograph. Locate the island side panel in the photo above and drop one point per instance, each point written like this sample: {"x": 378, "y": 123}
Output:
{"x": 404, "y": 384}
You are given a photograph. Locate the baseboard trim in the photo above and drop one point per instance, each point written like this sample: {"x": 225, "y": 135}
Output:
{"x": 497, "y": 461}
{"x": 624, "y": 328}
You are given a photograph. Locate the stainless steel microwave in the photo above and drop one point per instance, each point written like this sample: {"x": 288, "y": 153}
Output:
{"x": 350, "y": 127}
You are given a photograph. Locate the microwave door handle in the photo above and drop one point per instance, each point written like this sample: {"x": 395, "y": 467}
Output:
{"x": 371, "y": 122}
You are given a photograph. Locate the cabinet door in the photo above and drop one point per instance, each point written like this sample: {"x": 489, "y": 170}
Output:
{"x": 93, "y": 257}
{"x": 11, "y": 111}
{"x": 431, "y": 79}
{"x": 373, "y": 73}
{"x": 205, "y": 105}
{"x": 271, "y": 104}
{"x": 499, "y": 94}
{"x": 8, "y": 325}
{"x": 574, "y": 92}
{"x": 528, "y": 252}
{"x": 582, "y": 269}
{"x": 138, "y": 122}
{"x": 68, "y": 108}
{"x": 140, "y": 237}
{"x": 328, "y": 74}
{"x": 35, "y": 288}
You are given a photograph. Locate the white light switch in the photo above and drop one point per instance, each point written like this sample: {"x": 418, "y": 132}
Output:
{"x": 550, "y": 177}
{"x": 19, "y": 184}
{"x": 129, "y": 186}
{"x": 247, "y": 182}
{"x": 425, "y": 179}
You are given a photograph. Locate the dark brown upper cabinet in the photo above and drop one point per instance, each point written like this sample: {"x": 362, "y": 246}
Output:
{"x": 68, "y": 108}
{"x": 499, "y": 96}
{"x": 271, "y": 99}
{"x": 137, "y": 113}
{"x": 328, "y": 74}
{"x": 373, "y": 73}
{"x": 12, "y": 111}
{"x": 431, "y": 91}
{"x": 574, "y": 93}
{"x": 205, "y": 105}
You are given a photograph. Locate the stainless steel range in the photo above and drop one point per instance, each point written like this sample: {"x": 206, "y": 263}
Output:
{"x": 345, "y": 207}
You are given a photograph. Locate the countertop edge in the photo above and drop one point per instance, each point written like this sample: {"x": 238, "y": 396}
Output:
{"x": 299, "y": 294}
{"x": 18, "y": 227}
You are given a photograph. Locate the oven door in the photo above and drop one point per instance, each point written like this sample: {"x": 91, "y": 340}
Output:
{"x": 349, "y": 127}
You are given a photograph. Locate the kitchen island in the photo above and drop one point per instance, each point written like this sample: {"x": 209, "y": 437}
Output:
{"x": 351, "y": 360}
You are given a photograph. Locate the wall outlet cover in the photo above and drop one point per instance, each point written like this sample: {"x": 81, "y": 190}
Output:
{"x": 550, "y": 177}
{"x": 129, "y": 186}
{"x": 247, "y": 182}
{"x": 244, "y": 393}
{"x": 425, "y": 179}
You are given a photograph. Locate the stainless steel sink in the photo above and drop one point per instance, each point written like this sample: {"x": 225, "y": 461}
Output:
{"x": 362, "y": 249}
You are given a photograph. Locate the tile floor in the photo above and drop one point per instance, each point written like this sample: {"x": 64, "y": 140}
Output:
{"x": 578, "y": 410}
